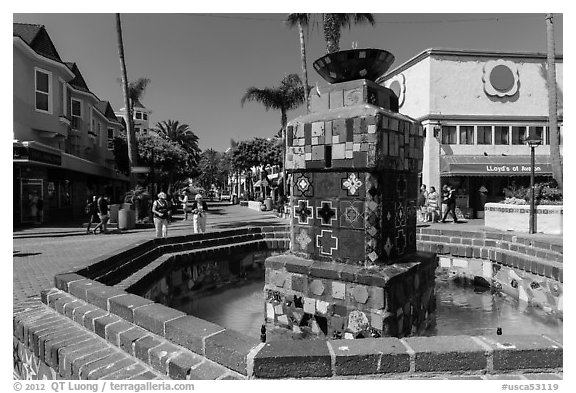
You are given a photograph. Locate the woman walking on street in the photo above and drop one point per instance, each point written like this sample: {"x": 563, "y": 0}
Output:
{"x": 161, "y": 210}
{"x": 199, "y": 208}
{"x": 432, "y": 206}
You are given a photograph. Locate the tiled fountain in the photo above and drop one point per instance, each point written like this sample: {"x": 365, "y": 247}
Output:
{"x": 353, "y": 270}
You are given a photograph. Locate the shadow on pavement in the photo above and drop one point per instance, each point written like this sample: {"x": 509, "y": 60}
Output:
{"x": 25, "y": 254}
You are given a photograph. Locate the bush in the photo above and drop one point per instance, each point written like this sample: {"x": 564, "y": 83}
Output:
{"x": 544, "y": 194}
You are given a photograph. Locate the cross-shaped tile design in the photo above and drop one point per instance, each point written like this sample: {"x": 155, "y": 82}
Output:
{"x": 303, "y": 212}
{"x": 326, "y": 242}
{"x": 326, "y": 213}
{"x": 400, "y": 242}
{"x": 352, "y": 184}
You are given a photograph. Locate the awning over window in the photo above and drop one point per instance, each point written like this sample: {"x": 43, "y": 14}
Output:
{"x": 493, "y": 166}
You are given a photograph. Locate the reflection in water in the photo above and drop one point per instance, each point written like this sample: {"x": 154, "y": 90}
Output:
{"x": 460, "y": 310}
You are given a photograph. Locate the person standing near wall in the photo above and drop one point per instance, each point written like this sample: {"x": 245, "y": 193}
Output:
{"x": 422, "y": 196}
{"x": 199, "y": 209}
{"x": 161, "y": 211}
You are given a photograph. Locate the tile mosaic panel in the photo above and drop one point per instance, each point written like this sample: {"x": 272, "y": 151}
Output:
{"x": 303, "y": 212}
{"x": 352, "y": 214}
{"x": 303, "y": 185}
{"x": 326, "y": 213}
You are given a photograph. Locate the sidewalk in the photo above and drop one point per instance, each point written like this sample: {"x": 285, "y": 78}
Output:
{"x": 39, "y": 253}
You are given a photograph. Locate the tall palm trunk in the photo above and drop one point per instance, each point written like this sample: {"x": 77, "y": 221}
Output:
{"x": 555, "y": 158}
{"x": 284, "y": 121}
{"x": 304, "y": 68}
{"x": 331, "y": 33}
{"x": 131, "y": 136}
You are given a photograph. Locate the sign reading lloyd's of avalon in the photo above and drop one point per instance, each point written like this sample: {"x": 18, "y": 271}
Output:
{"x": 499, "y": 169}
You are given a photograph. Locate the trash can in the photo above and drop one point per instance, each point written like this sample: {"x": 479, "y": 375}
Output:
{"x": 126, "y": 219}
{"x": 268, "y": 204}
{"x": 114, "y": 213}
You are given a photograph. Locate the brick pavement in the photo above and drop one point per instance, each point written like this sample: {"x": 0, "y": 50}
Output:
{"x": 41, "y": 252}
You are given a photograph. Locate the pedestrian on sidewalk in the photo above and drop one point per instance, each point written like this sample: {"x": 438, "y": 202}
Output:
{"x": 421, "y": 202}
{"x": 161, "y": 211}
{"x": 432, "y": 214}
{"x": 199, "y": 209}
{"x": 450, "y": 201}
{"x": 184, "y": 201}
{"x": 102, "y": 206}
{"x": 91, "y": 210}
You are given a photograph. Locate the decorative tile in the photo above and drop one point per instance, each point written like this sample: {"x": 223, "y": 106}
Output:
{"x": 326, "y": 213}
{"x": 303, "y": 185}
{"x": 339, "y": 151}
{"x": 309, "y": 306}
{"x": 352, "y": 214}
{"x": 303, "y": 212}
{"x": 317, "y": 287}
{"x": 352, "y": 184}
{"x": 322, "y": 307}
{"x": 326, "y": 242}
{"x": 303, "y": 239}
{"x": 400, "y": 242}
{"x": 400, "y": 215}
{"x": 338, "y": 290}
{"x": 317, "y": 129}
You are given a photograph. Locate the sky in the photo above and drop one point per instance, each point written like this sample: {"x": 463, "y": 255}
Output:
{"x": 201, "y": 64}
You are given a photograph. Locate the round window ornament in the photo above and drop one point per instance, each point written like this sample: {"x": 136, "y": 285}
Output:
{"x": 500, "y": 78}
{"x": 398, "y": 86}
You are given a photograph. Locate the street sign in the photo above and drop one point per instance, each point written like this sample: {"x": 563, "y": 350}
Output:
{"x": 140, "y": 169}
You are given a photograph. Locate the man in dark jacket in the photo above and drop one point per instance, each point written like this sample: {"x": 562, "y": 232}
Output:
{"x": 449, "y": 198}
{"x": 102, "y": 205}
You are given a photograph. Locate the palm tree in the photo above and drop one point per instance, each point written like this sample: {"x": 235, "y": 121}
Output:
{"x": 182, "y": 134}
{"x": 289, "y": 95}
{"x": 130, "y": 135}
{"x": 555, "y": 158}
{"x": 301, "y": 20}
{"x": 333, "y": 23}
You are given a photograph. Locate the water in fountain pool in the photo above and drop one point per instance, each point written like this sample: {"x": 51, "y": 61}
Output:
{"x": 461, "y": 310}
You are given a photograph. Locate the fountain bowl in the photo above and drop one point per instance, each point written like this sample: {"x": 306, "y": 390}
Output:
{"x": 347, "y": 65}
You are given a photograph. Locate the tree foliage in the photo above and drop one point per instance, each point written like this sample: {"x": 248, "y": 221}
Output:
{"x": 332, "y": 25}
{"x": 213, "y": 169}
{"x": 181, "y": 134}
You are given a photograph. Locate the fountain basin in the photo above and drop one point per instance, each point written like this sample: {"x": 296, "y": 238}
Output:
{"x": 347, "y": 65}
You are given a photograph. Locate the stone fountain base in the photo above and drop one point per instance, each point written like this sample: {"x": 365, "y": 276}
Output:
{"x": 334, "y": 300}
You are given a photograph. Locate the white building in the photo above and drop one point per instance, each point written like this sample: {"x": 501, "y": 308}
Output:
{"x": 476, "y": 108}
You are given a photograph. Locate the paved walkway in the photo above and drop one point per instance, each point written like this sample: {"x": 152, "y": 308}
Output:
{"x": 39, "y": 253}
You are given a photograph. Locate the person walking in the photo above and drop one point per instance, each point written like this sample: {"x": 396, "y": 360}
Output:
{"x": 199, "y": 209}
{"x": 450, "y": 200}
{"x": 432, "y": 213}
{"x": 102, "y": 206}
{"x": 161, "y": 211}
{"x": 184, "y": 202}
{"x": 421, "y": 202}
{"x": 91, "y": 210}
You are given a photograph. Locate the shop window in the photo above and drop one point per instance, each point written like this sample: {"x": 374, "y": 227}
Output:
{"x": 449, "y": 135}
{"x": 43, "y": 87}
{"x": 518, "y": 135}
{"x": 484, "y": 135}
{"x": 466, "y": 135}
{"x": 539, "y": 133}
{"x": 501, "y": 135}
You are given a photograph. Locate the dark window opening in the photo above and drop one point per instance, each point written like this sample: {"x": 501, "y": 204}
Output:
{"x": 328, "y": 156}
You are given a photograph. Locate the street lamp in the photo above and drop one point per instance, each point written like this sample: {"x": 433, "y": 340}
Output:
{"x": 532, "y": 140}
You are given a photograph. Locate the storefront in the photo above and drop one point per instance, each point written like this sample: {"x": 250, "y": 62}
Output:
{"x": 46, "y": 190}
{"x": 482, "y": 179}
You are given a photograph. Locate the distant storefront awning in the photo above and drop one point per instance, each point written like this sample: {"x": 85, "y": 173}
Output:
{"x": 493, "y": 166}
